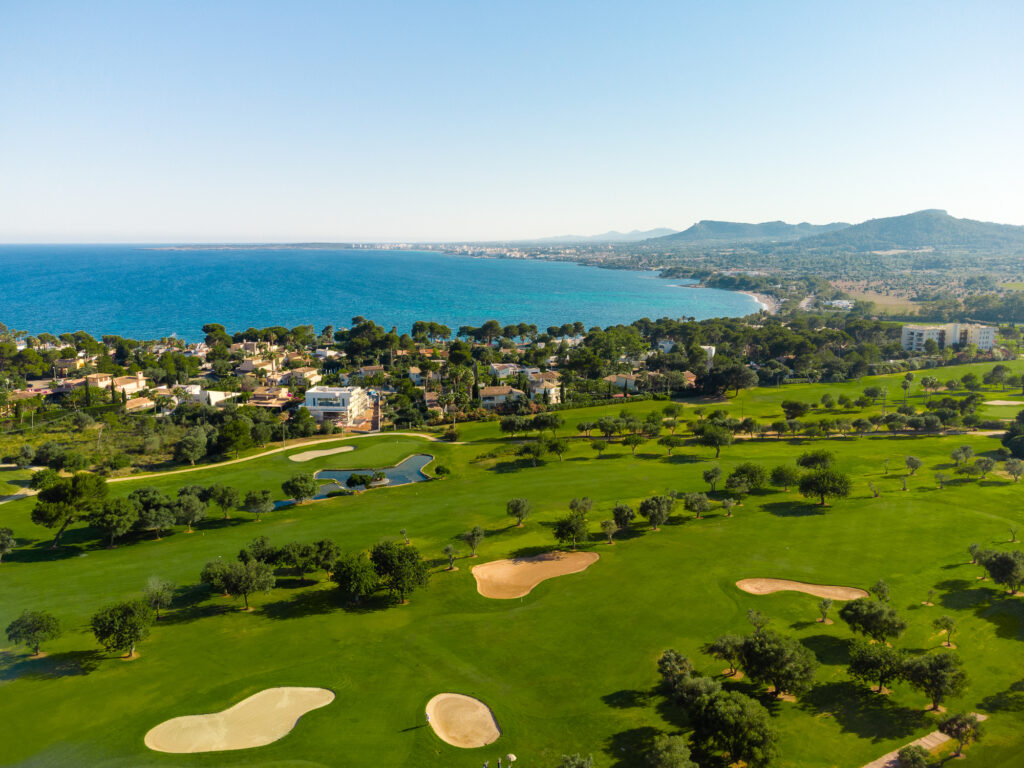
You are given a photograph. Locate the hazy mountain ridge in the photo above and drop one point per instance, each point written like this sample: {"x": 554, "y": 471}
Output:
{"x": 922, "y": 229}
{"x": 612, "y": 236}
{"x": 710, "y": 230}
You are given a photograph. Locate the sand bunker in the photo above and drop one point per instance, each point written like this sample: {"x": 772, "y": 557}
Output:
{"x": 310, "y": 455}
{"x": 767, "y": 586}
{"x": 505, "y": 579}
{"x": 462, "y": 721}
{"x": 260, "y": 719}
{"x": 1003, "y": 402}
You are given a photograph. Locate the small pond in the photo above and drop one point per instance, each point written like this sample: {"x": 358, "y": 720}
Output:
{"x": 408, "y": 471}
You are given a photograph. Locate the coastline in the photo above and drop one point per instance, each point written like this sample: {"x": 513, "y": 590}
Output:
{"x": 768, "y": 303}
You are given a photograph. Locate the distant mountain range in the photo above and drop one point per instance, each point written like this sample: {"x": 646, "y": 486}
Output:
{"x": 704, "y": 231}
{"x": 931, "y": 228}
{"x": 609, "y": 237}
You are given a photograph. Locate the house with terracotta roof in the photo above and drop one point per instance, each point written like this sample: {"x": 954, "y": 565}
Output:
{"x": 270, "y": 397}
{"x": 307, "y": 376}
{"x": 546, "y": 392}
{"x": 130, "y": 385}
{"x": 492, "y": 397}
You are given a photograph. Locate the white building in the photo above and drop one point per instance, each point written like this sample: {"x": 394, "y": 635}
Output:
{"x": 913, "y": 337}
{"x": 341, "y": 404}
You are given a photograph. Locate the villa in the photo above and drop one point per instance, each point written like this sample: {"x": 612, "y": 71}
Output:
{"x": 342, "y": 405}
{"x": 492, "y": 397}
{"x": 270, "y": 397}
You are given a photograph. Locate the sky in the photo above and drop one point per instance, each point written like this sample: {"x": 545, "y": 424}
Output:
{"x": 430, "y": 121}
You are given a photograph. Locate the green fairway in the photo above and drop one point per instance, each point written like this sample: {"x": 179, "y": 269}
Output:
{"x": 572, "y": 666}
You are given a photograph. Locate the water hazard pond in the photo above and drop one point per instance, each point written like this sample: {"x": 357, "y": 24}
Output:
{"x": 407, "y": 471}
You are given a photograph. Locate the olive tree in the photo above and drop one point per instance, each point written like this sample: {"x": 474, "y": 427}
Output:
{"x": 33, "y": 628}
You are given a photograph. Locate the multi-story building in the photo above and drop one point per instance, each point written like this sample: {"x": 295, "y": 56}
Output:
{"x": 345, "y": 405}
{"x": 913, "y": 337}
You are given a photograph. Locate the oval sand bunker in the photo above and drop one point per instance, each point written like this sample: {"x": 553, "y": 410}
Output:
{"x": 261, "y": 719}
{"x": 310, "y": 455}
{"x": 505, "y": 579}
{"x": 767, "y": 586}
{"x": 462, "y": 721}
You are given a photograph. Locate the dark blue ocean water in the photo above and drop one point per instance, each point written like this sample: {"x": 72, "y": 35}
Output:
{"x": 142, "y": 292}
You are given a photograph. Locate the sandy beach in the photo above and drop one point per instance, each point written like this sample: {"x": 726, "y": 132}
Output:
{"x": 768, "y": 303}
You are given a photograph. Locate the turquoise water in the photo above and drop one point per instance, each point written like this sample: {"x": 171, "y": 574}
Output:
{"x": 141, "y": 292}
{"x": 407, "y": 471}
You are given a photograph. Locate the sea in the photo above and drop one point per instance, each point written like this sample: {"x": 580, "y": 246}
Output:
{"x": 150, "y": 292}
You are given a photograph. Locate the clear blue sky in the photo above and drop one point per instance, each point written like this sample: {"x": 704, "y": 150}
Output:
{"x": 256, "y": 121}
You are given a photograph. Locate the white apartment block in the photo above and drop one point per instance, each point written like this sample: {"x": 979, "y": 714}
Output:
{"x": 342, "y": 404}
{"x": 914, "y": 337}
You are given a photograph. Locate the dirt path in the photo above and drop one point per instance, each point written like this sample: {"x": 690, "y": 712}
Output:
{"x": 303, "y": 444}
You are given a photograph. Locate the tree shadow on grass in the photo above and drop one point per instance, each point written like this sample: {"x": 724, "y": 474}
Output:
{"x": 1010, "y": 700}
{"x": 828, "y": 649}
{"x": 312, "y": 603}
{"x": 57, "y": 665}
{"x": 963, "y": 595}
{"x": 682, "y": 458}
{"x": 858, "y": 710}
{"x": 793, "y": 509}
{"x": 627, "y": 699}
{"x": 1007, "y": 615}
{"x": 506, "y": 467}
{"x": 626, "y": 747}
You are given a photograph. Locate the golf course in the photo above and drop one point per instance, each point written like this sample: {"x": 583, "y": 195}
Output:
{"x": 560, "y": 660}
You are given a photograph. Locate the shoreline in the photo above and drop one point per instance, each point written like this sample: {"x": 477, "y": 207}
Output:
{"x": 769, "y": 304}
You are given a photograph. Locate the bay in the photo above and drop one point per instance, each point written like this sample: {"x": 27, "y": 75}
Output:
{"x": 148, "y": 292}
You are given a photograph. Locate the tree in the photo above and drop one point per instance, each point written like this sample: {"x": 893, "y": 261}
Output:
{"x": 669, "y": 752}
{"x": 599, "y": 446}
{"x": 189, "y": 510}
{"x": 783, "y": 476}
{"x": 657, "y": 510}
{"x": 1015, "y": 468}
{"x": 754, "y": 476}
{"x": 355, "y": 576}
{"x": 43, "y": 478}
{"x": 158, "y": 594}
{"x": 985, "y": 464}
{"x": 623, "y": 515}
{"x": 258, "y": 503}
{"x": 937, "y": 675}
{"x": 300, "y": 487}
{"x": 156, "y": 509}
{"x": 726, "y": 649}
{"x": 876, "y": 663}
{"x": 825, "y": 484}
{"x": 115, "y": 518}
{"x": 215, "y": 575}
{"x": 248, "y": 578}
{"x": 67, "y": 501}
{"x": 571, "y": 529}
{"x": 519, "y": 508}
{"x": 737, "y": 725}
{"x": 713, "y": 436}
{"x": 225, "y": 497}
{"x": 963, "y": 728}
{"x": 880, "y": 590}
{"x": 450, "y": 552}
{"x": 873, "y": 618}
{"x": 33, "y": 628}
{"x": 7, "y": 542}
{"x": 192, "y": 446}
{"x": 608, "y": 528}
{"x": 946, "y": 624}
{"x": 671, "y": 442}
{"x": 697, "y": 503}
{"x": 301, "y": 557}
{"x": 816, "y": 459}
{"x": 768, "y": 657}
{"x": 532, "y": 451}
{"x": 25, "y": 456}
{"x": 557, "y": 446}
{"x": 913, "y": 755}
{"x": 400, "y": 568}
{"x": 913, "y": 463}
{"x": 235, "y": 436}
{"x": 823, "y": 608}
{"x": 1006, "y": 568}
{"x": 119, "y": 627}
{"x": 712, "y": 476}
{"x": 634, "y": 442}
{"x": 737, "y": 484}
{"x": 473, "y": 537}
{"x": 581, "y": 505}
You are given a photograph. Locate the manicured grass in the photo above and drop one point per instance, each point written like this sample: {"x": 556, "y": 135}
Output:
{"x": 570, "y": 667}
